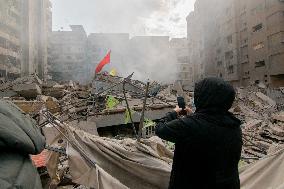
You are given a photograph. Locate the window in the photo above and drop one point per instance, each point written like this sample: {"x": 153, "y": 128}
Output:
{"x": 258, "y": 46}
{"x": 247, "y": 73}
{"x": 230, "y": 39}
{"x": 259, "y": 64}
{"x": 276, "y": 40}
{"x": 244, "y": 53}
{"x": 231, "y": 69}
{"x": 219, "y": 63}
{"x": 256, "y": 28}
{"x": 229, "y": 55}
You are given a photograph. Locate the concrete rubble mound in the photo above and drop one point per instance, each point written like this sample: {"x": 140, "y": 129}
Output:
{"x": 263, "y": 122}
{"x": 98, "y": 125}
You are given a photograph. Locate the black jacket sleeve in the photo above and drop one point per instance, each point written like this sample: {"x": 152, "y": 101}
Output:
{"x": 171, "y": 128}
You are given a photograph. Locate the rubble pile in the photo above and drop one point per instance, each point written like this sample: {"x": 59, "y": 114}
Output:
{"x": 263, "y": 123}
{"x": 116, "y": 101}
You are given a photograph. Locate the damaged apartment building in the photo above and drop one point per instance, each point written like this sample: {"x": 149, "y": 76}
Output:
{"x": 25, "y": 27}
{"x": 67, "y": 54}
{"x": 179, "y": 47}
{"x": 238, "y": 40}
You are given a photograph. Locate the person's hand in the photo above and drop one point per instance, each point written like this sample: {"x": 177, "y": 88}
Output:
{"x": 188, "y": 110}
{"x": 178, "y": 110}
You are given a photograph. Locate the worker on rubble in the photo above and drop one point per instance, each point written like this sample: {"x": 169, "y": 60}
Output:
{"x": 208, "y": 142}
{"x": 19, "y": 137}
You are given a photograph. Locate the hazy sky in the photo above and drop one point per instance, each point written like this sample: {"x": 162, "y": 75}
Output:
{"x": 137, "y": 17}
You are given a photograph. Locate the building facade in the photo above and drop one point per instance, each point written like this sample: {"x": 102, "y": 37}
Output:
{"x": 184, "y": 69}
{"x": 238, "y": 40}
{"x": 24, "y": 30}
{"x": 36, "y": 29}
{"x": 10, "y": 39}
{"x": 67, "y": 55}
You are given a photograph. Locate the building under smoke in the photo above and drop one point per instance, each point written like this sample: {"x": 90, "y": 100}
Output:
{"x": 184, "y": 68}
{"x": 238, "y": 40}
{"x": 68, "y": 55}
{"x": 74, "y": 56}
{"x": 24, "y": 29}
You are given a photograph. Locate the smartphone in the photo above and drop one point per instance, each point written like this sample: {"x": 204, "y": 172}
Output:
{"x": 181, "y": 102}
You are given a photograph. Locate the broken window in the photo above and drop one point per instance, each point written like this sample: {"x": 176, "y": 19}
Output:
{"x": 258, "y": 46}
{"x": 258, "y": 27}
{"x": 247, "y": 73}
{"x": 231, "y": 69}
{"x": 259, "y": 64}
{"x": 219, "y": 63}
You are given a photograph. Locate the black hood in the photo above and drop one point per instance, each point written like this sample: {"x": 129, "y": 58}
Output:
{"x": 213, "y": 95}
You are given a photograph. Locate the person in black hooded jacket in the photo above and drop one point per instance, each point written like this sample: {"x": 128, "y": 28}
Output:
{"x": 208, "y": 142}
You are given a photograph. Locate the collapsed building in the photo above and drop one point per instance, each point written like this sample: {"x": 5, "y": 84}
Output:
{"x": 106, "y": 130}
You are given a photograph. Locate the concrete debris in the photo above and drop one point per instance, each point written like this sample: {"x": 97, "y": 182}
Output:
{"x": 101, "y": 109}
{"x": 51, "y": 103}
{"x": 263, "y": 123}
{"x": 29, "y": 107}
{"x": 28, "y": 91}
{"x": 8, "y": 93}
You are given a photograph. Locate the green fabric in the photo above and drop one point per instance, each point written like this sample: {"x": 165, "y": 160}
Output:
{"x": 149, "y": 123}
{"x": 127, "y": 116}
{"x": 19, "y": 137}
{"x": 111, "y": 102}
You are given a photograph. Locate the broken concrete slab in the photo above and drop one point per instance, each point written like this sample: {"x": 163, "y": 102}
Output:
{"x": 29, "y": 107}
{"x": 28, "y": 91}
{"x": 49, "y": 84}
{"x": 54, "y": 92}
{"x": 87, "y": 126}
{"x": 51, "y": 103}
{"x": 266, "y": 99}
{"x": 277, "y": 130}
{"x": 279, "y": 117}
{"x": 252, "y": 124}
{"x": 8, "y": 93}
